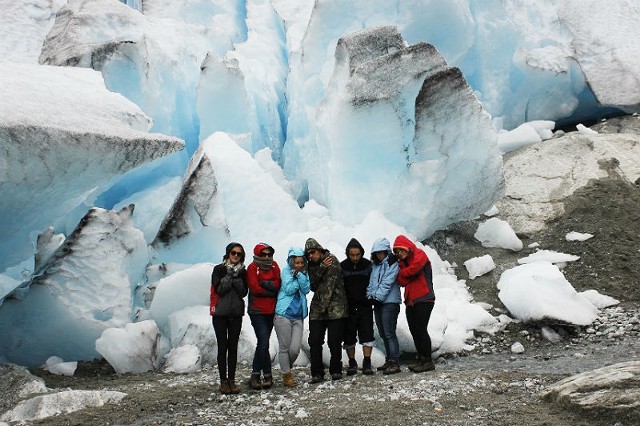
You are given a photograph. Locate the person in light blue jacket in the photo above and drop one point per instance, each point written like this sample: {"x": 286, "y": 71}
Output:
{"x": 291, "y": 310}
{"x": 384, "y": 293}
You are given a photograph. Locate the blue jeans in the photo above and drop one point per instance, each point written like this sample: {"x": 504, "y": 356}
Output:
{"x": 262, "y": 326}
{"x": 387, "y": 320}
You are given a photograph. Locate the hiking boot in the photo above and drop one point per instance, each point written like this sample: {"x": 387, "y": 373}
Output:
{"x": 254, "y": 381}
{"x": 233, "y": 386}
{"x": 288, "y": 380}
{"x": 366, "y": 367}
{"x": 426, "y": 365}
{"x": 384, "y": 366}
{"x": 353, "y": 367}
{"x": 393, "y": 368}
{"x": 416, "y": 364}
{"x": 224, "y": 387}
{"x": 336, "y": 376}
{"x": 316, "y": 379}
{"x": 267, "y": 382}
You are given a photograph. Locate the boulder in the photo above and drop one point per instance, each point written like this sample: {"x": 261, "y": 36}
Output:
{"x": 612, "y": 391}
{"x": 539, "y": 177}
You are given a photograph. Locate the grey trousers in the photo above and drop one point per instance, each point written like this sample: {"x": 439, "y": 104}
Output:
{"x": 289, "y": 334}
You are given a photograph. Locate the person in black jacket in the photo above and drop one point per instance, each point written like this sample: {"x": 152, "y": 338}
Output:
{"x": 356, "y": 270}
{"x": 228, "y": 289}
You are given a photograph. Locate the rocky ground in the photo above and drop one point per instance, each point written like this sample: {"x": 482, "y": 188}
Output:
{"x": 487, "y": 386}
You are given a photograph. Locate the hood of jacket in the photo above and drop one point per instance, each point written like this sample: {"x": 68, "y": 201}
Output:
{"x": 295, "y": 252}
{"x": 312, "y": 244}
{"x": 381, "y": 244}
{"x": 354, "y": 244}
{"x": 402, "y": 242}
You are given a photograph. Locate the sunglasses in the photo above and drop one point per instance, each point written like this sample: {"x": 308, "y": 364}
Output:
{"x": 235, "y": 253}
{"x": 266, "y": 253}
{"x": 398, "y": 251}
{"x": 311, "y": 251}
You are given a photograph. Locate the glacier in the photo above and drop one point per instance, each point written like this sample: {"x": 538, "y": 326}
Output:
{"x": 264, "y": 120}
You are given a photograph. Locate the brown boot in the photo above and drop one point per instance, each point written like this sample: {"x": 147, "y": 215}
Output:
{"x": 254, "y": 381}
{"x": 416, "y": 364}
{"x": 384, "y": 366}
{"x": 224, "y": 387}
{"x": 426, "y": 365}
{"x": 394, "y": 368}
{"x": 288, "y": 380}
{"x": 267, "y": 382}
{"x": 233, "y": 387}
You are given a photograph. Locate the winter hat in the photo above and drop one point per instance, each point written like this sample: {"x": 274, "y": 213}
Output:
{"x": 354, "y": 244}
{"x": 263, "y": 262}
{"x": 230, "y": 247}
{"x": 312, "y": 244}
{"x": 257, "y": 250}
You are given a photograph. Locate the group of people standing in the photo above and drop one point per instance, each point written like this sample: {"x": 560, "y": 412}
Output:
{"x": 347, "y": 296}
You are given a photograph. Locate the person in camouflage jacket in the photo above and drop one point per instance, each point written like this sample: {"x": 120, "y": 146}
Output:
{"x": 327, "y": 311}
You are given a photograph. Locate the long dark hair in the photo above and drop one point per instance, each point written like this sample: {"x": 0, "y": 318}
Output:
{"x": 230, "y": 247}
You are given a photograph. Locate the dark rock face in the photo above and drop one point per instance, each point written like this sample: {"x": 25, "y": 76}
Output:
{"x": 385, "y": 77}
{"x": 64, "y": 45}
{"x": 359, "y": 48}
{"x": 198, "y": 190}
{"x": 416, "y": 99}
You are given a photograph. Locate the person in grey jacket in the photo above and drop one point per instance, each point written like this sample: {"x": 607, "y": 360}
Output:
{"x": 291, "y": 310}
{"x": 228, "y": 289}
{"x": 384, "y": 292}
{"x": 327, "y": 311}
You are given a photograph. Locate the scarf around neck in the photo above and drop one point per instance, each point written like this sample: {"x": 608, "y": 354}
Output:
{"x": 263, "y": 263}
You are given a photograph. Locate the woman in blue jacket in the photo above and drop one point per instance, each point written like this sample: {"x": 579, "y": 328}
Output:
{"x": 291, "y": 310}
{"x": 384, "y": 293}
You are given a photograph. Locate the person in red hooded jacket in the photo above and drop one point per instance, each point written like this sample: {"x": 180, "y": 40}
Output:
{"x": 263, "y": 280}
{"x": 415, "y": 275}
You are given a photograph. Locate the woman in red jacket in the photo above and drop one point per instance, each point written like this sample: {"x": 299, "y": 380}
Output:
{"x": 263, "y": 279}
{"x": 415, "y": 276}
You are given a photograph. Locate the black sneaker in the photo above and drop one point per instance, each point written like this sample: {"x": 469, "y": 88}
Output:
{"x": 384, "y": 366}
{"x": 353, "y": 367}
{"x": 336, "y": 376}
{"x": 366, "y": 367}
{"x": 316, "y": 379}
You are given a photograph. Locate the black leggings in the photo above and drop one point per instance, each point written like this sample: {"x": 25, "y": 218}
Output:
{"x": 227, "y": 334}
{"x": 418, "y": 319}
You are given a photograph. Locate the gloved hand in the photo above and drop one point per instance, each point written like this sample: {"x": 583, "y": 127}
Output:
{"x": 295, "y": 273}
{"x": 375, "y": 302}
